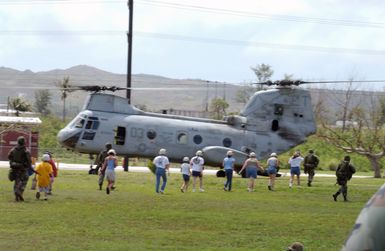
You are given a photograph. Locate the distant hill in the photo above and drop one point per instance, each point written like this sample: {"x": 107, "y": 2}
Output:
{"x": 14, "y": 82}
{"x": 197, "y": 98}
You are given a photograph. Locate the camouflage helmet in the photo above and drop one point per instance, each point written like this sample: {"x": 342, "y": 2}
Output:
{"x": 21, "y": 140}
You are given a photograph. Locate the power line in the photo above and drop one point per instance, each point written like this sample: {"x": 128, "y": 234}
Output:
{"x": 197, "y": 8}
{"x": 327, "y": 21}
{"x": 203, "y": 40}
{"x": 261, "y": 44}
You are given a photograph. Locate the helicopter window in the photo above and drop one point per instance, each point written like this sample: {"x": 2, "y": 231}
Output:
{"x": 198, "y": 139}
{"x": 95, "y": 125}
{"x": 182, "y": 138}
{"x": 278, "y": 109}
{"x": 88, "y": 135}
{"x": 120, "y": 135}
{"x": 89, "y": 124}
{"x": 79, "y": 123}
{"x": 227, "y": 142}
{"x": 275, "y": 125}
{"x": 151, "y": 134}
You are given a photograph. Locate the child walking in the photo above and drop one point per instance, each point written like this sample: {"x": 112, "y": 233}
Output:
{"x": 44, "y": 172}
{"x": 186, "y": 173}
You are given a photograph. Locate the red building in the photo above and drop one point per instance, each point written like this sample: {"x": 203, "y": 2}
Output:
{"x": 12, "y": 127}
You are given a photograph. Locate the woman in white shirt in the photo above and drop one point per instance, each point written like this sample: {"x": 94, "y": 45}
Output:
{"x": 295, "y": 163}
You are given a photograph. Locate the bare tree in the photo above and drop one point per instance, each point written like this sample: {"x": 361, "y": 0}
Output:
{"x": 362, "y": 129}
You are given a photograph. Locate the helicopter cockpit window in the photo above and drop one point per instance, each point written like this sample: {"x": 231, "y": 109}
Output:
{"x": 182, "y": 138}
{"x": 92, "y": 123}
{"x": 227, "y": 142}
{"x": 197, "y": 139}
{"x": 278, "y": 109}
{"x": 151, "y": 134}
{"x": 80, "y": 123}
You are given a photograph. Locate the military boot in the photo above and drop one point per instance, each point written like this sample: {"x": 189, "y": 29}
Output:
{"x": 335, "y": 196}
{"x": 345, "y": 197}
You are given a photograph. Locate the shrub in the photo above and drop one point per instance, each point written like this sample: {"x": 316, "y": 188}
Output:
{"x": 333, "y": 166}
{"x": 151, "y": 166}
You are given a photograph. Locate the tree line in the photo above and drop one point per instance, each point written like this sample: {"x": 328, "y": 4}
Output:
{"x": 361, "y": 130}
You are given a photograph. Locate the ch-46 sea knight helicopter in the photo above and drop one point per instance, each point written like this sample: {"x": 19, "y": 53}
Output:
{"x": 273, "y": 120}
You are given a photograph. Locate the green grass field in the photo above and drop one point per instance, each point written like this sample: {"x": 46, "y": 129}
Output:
{"x": 80, "y": 217}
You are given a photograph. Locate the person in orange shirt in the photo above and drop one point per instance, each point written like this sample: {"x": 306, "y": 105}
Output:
{"x": 44, "y": 172}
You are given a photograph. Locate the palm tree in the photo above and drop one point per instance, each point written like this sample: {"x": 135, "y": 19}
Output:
{"x": 65, "y": 88}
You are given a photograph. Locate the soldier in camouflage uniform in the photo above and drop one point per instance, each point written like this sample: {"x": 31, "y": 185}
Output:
{"x": 344, "y": 172}
{"x": 99, "y": 163}
{"x": 310, "y": 164}
{"x": 20, "y": 161}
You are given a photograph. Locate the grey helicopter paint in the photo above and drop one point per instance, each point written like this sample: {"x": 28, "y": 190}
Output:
{"x": 368, "y": 233}
{"x": 273, "y": 120}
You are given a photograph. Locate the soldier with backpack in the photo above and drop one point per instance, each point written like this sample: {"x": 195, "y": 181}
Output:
{"x": 344, "y": 172}
{"x": 310, "y": 163}
{"x": 20, "y": 162}
{"x": 99, "y": 163}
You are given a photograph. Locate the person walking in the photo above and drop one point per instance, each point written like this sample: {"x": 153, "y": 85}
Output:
{"x": 310, "y": 163}
{"x": 44, "y": 173}
{"x": 197, "y": 168}
{"x": 228, "y": 165}
{"x": 99, "y": 163}
{"x": 272, "y": 169}
{"x": 295, "y": 163}
{"x": 186, "y": 173}
{"x": 20, "y": 162}
{"x": 54, "y": 169}
{"x": 251, "y": 165}
{"x": 162, "y": 165}
{"x": 108, "y": 168}
{"x": 344, "y": 173}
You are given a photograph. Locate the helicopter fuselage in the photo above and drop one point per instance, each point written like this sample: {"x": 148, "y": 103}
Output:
{"x": 272, "y": 121}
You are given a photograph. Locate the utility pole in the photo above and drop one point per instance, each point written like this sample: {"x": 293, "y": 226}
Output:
{"x": 129, "y": 54}
{"x": 130, "y": 4}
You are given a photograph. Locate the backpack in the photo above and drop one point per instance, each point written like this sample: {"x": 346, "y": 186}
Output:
{"x": 345, "y": 170}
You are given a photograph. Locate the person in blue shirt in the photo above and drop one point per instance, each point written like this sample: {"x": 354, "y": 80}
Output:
{"x": 110, "y": 163}
{"x": 228, "y": 165}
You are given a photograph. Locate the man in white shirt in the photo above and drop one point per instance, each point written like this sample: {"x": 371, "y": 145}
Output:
{"x": 162, "y": 165}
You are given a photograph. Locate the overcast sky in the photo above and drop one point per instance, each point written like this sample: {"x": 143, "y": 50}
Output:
{"x": 216, "y": 40}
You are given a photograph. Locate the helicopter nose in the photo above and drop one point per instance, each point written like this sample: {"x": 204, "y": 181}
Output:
{"x": 68, "y": 138}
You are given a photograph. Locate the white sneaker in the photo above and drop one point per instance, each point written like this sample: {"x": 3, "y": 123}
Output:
{"x": 201, "y": 190}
